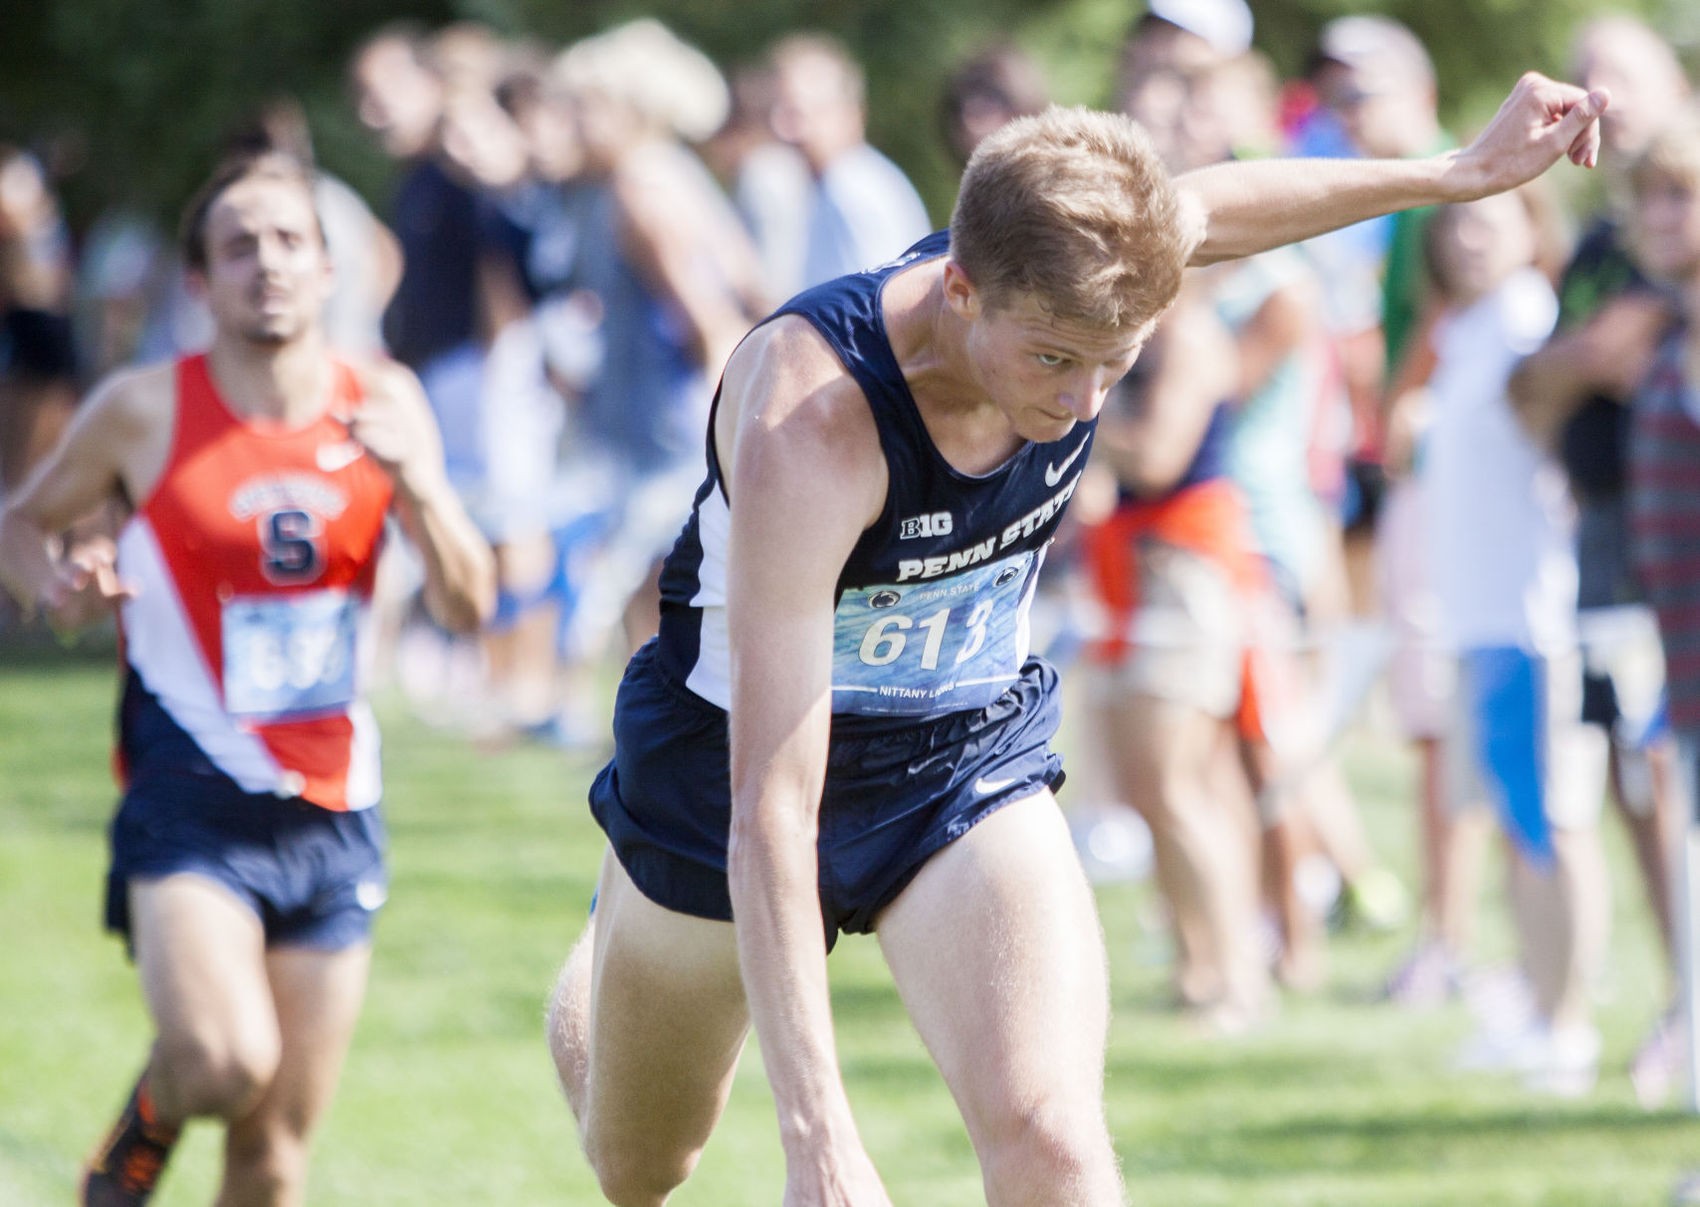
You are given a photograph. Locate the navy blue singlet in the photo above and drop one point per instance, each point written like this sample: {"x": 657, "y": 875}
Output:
{"x": 932, "y": 610}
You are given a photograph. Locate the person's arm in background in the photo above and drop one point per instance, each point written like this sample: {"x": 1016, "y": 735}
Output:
{"x": 387, "y": 264}
{"x": 1406, "y": 405}
{"x": 1606, "y": 354}
{"x": 667, "y": 242}
{"x": 1149, "y": 441}
{"x": 1280, "y": 327}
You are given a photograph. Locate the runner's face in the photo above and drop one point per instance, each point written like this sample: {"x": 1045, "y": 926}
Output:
{"x": 267, "y": 275}
{"x": 1045, "y": 373}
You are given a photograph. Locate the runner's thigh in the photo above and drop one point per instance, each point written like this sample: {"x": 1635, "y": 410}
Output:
{"x": 318, "y": 995}
{"x": 200, "y": 952}
{"x": 997, "y": 953}
{"x": 667, "y": 1019}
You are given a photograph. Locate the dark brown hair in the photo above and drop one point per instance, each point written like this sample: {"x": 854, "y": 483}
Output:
{"x": 270, "y": 165}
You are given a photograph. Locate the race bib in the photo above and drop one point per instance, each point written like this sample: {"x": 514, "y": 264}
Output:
{"x": 920, "y": 648}
{"x": 289, "y": 656}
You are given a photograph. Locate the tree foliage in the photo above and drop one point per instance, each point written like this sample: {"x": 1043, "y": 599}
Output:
{"x": 139, "y": 94}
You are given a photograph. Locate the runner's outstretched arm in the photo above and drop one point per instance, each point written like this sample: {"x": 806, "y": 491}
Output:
{"x": 1240, "y": 209}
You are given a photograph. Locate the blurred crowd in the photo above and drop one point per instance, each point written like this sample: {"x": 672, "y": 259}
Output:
{"x": 1461, "y": 447}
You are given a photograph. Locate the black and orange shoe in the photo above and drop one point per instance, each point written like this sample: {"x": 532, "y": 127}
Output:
{"x": 126, "y": 1167}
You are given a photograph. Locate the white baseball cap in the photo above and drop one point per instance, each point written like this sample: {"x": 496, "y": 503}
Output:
{"x": 1225, "y": 24}
{"x": 1376, "y": 46}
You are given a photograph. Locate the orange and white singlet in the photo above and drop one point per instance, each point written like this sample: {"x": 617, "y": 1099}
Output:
{"x": 254, "y": 559}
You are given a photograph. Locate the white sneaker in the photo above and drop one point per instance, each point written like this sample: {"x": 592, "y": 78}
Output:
{"x": 1427, "y": 978}
{"x": 1567, "y": 1062}
{"x": 1512, "y": 1037}
{"x": 1660, "y": 1065}
{"x": 1562, "y": 1062}
{"x": 1506, "y": 1047}
{"x": 1501, "y": 1001}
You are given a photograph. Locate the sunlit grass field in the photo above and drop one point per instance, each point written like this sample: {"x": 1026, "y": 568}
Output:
{"x": 448, "y": 1097}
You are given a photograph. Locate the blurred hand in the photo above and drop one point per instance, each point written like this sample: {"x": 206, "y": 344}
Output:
{"x": 392, "y": 424}
{"x": 25, "y": 204}
{"x": 1407, "y": 417}
{"x": 86, "y": 587}
{"x": 1621, "y": 340}
{"x": 481, "y": 141}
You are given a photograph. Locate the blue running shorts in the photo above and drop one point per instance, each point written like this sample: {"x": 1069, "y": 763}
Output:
{"x": 315, "y": 877}
{"x": 896, "y": 791}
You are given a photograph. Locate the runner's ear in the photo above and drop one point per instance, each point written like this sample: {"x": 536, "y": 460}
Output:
{"x": 960, "y": 293}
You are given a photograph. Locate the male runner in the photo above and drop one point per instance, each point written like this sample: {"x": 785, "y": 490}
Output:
{"x": 839, "y": 727}
{"x": 247, "y": 854}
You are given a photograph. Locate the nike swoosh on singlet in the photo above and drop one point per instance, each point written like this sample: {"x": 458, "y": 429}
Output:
{"x": 1054, "y": 473}
{"x": 332, "y": 457}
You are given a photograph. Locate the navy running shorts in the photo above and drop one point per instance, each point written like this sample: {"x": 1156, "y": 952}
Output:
{"x": 315, "y": 877}
{"x": 896, "y": 791}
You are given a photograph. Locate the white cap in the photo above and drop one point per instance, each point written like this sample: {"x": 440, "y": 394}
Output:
{"x": 1225, "y": 24}
{"x": 1376, "y": 46}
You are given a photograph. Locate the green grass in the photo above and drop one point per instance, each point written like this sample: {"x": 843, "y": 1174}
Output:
{"x": 448, "y": 1097}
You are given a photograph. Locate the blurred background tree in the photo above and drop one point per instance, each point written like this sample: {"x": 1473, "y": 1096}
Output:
{"x": 128, "y": 100}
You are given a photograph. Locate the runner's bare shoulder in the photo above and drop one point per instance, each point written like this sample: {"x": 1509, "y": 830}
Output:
{"x": 129, "y": 421}
{"x": 140, "y": 397}
{"x": 790, "y": 366}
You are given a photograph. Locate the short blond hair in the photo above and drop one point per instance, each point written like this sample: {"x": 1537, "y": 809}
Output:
{"x": 1673, "y": 153}
{"x": 642, "y": 63}
{"x": 1075, "y": 208}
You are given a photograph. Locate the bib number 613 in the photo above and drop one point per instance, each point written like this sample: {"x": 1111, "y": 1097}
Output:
{"x": 887, "y": 637}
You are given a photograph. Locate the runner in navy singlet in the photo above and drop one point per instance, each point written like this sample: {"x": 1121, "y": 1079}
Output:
{"x": 840, "y": 726}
